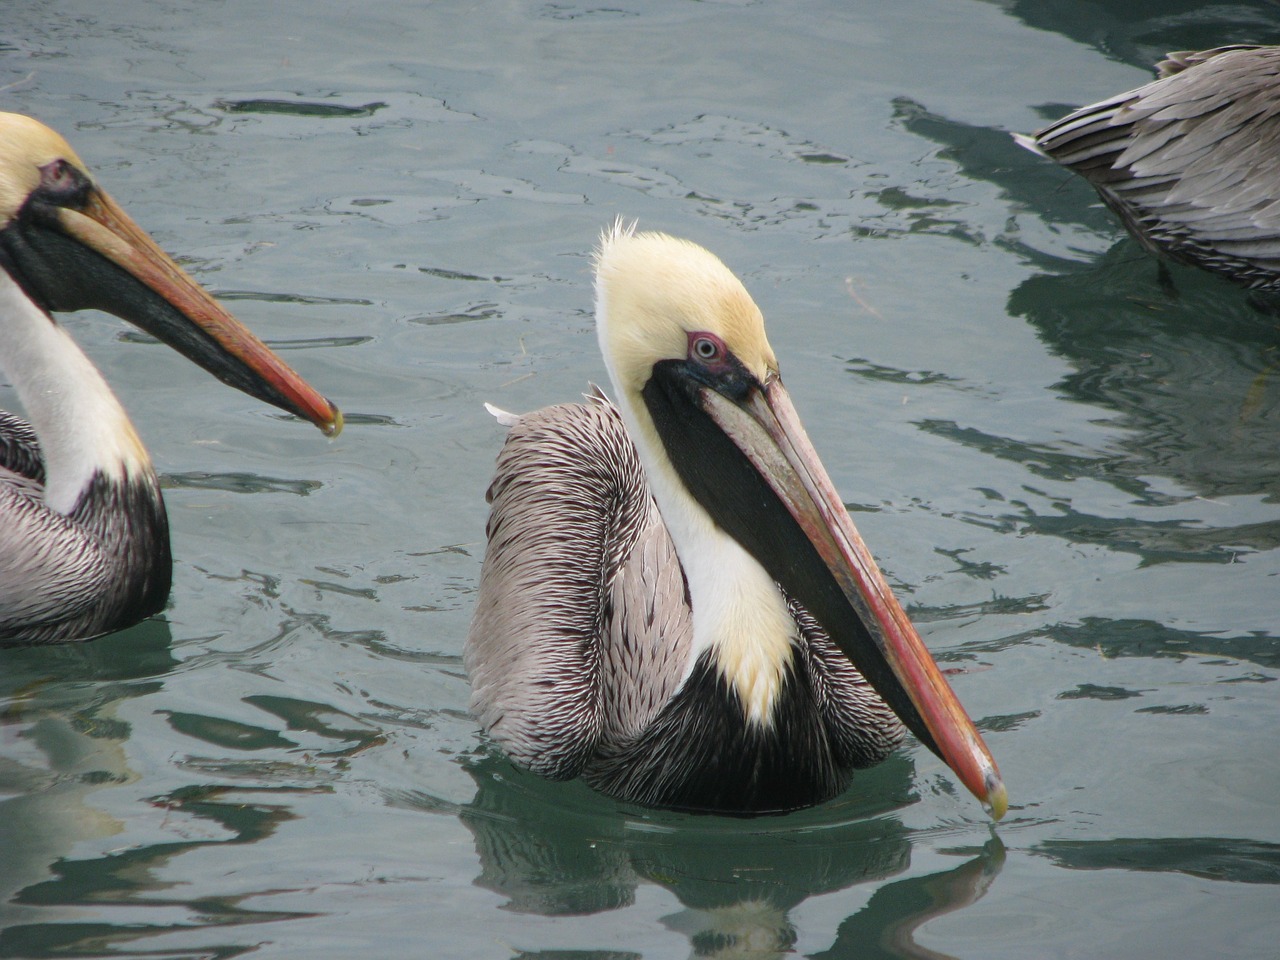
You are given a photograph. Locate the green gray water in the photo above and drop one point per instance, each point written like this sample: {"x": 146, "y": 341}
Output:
{"x": 1069, "y": 470}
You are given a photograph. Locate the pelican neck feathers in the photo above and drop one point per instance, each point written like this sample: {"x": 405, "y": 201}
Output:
{"x": 83, "y": 430}
{"x": 653, "y": 292}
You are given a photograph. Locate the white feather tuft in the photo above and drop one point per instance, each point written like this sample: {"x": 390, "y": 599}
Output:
{"x": 1028, "y": 142}
{"x": 504, "y": 417}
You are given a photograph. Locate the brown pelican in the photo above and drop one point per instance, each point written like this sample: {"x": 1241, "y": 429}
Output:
{"x": 84, "y": 541}
{"x": 1189, "y": 162}
{"x": 674, "y": 603}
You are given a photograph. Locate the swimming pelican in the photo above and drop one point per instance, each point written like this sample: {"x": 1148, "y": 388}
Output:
{"x": 84, "y": 540}
{"x": 674, "y": 604}
{"x": 1190, "y": 162}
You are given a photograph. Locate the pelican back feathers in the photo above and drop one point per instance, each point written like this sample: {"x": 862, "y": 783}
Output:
{"x": 582, "y": 626}
{"x": 1188, "y": 162}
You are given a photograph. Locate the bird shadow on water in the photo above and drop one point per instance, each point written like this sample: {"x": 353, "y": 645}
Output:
{"x": 557, "y": 849}
{"x": 1189, "y": 364}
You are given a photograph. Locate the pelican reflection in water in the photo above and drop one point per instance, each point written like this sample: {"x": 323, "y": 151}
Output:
{"x": 674, "y": 603}
{"x": 1190, "y": 162}
{"x": 84, "y": 540}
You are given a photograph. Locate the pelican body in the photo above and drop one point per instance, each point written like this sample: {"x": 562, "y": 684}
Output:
{"x": 84, "y": 540}
{"x": 674, "y": 604}
{"x": 1190, "y": 162}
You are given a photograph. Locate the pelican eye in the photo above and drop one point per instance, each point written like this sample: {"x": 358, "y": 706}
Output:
{"x": 62, "y": 184}
{"x": 707, "y": 348}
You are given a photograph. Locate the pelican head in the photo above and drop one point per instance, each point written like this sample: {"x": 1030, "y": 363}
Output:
{"x": 661, "y": 291}
{"x": 69, "y": 246}
{"x": 700, "y": 390}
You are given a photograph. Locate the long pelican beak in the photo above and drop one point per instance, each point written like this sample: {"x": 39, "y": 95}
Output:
{"x": 95, "y": 256}
{"x": 764, "y": 460}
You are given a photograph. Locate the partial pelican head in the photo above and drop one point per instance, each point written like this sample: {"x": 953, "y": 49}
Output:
{"x": 69, "y": 246}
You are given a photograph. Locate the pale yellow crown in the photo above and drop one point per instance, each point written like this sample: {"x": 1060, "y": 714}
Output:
{"x": 653, "y": 290}
{"x": 26, "y": 145}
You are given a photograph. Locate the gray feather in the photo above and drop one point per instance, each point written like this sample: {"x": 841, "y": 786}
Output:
{"x": 104, "y": 566}
{"x": 568, "y": 507}
{"x": 20, "y": 448}
{"x": 1190, "y": 162}
{"x": 582, "y": 635}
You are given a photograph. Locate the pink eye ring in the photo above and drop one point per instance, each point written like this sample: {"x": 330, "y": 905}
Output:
{"x": 706, "y": 347}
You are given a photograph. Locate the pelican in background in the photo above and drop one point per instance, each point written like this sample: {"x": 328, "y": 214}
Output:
{"x": 84, "y": 540}
{"x": 1190, "y": 162}
{"x": 674, "y": 604}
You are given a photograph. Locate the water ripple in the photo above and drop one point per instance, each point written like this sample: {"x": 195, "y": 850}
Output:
{"x": 299, "y": 108}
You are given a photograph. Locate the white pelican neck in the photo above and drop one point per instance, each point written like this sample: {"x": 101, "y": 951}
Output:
{"x": 81, "y": 425}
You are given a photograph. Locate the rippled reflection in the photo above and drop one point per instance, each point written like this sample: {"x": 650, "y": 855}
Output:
{"x": 128, "y": 881}
{"x": 98, "y": 855}
{"x": 1145, "y": 638}
{"x": 63, "y": 742}
{"x": 1193, "y": 372}
{"x": 558, "y": 849}
{"x": 1143, "y": 33}
{"x": 1184, "y": 367}
{"x": 1209, "y": 858}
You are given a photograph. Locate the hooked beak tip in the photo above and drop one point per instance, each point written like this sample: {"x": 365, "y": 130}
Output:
{"x": 997, "y": 799}
{"x": 333, "y": 426}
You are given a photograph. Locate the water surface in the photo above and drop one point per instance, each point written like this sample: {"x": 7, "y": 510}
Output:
{"x": 1068, "y": 469}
